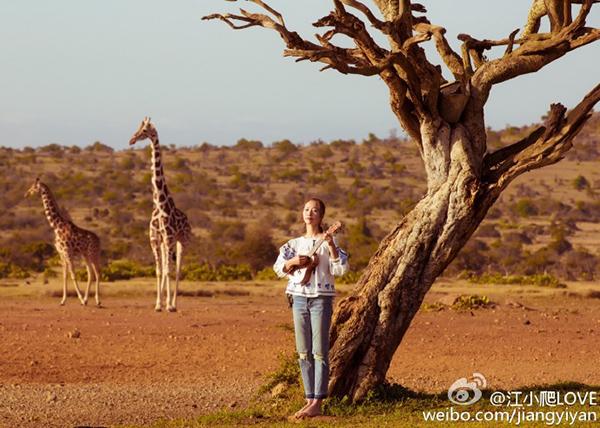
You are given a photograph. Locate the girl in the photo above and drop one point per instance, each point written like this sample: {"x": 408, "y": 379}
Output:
{"x": 312, "y": 301}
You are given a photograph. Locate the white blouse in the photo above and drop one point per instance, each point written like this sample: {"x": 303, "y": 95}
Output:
{"x": 321, "y": 281}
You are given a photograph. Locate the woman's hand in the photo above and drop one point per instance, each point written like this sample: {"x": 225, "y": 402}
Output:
{"x": 329, "y": 239}
{"x": 300, "y": 261}
{"x": 333, "y": 251}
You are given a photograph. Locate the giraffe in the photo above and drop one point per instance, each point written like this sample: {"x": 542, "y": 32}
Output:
{"x": 71, "y": 242}
{"x": 170, "y": 230}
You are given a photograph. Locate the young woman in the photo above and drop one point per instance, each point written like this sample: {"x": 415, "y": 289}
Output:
{"x": 312, "y": 301}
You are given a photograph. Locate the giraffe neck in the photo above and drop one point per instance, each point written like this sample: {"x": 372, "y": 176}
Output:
{"x": 160, "y": 192}
{"x": 51, "y": 209}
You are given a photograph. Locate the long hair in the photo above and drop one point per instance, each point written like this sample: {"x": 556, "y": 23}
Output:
{"x": 321, "y": 209}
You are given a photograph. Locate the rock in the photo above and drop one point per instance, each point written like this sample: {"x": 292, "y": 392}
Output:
{"x": 51, "y": 397}
{"x": 75, "y": 334}
{"x": 278, "y": 390}
{"x": 526, "y": 322}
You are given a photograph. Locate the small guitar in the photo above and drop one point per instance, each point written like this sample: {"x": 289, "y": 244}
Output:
{"x": 306, "y": 271}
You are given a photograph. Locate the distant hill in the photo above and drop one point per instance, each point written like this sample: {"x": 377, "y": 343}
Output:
{"x": 249, "y": 195}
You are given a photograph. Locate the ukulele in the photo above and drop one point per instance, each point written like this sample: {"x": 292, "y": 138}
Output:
{"x": 306, "y": 271}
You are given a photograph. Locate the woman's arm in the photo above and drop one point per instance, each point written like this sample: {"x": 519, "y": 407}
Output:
{"x": 338, "y": 259}
{"x": 286, "y": 260}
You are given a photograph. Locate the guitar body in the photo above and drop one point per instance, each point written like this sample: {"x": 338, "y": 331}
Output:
{"x": 309, "y": 269}
{"x": 303, "y": 273}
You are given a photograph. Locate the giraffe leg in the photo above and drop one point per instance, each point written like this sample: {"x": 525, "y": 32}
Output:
{"x": 179, "y": 253}
{"x": 158, "y": 266}
{"x": 64, "y": 297}
{"x": 95, "y": 267}
{"x": 89, "y": 282}
{"x": 164, "y": 255}
{"x": 74, "y": 278}
{"x": 168, "y": 257}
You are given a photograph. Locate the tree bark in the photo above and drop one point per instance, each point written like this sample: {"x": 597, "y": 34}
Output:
{"x": 369, "y": 325}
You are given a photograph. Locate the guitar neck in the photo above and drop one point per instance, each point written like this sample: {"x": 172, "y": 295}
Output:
{"x": 316, "y": 247}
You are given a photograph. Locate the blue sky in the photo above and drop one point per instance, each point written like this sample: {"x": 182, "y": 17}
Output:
{"x": 75, "y": 71}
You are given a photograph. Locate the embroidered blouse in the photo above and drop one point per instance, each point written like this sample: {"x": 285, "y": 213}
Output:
{"x": 321, "y": 281}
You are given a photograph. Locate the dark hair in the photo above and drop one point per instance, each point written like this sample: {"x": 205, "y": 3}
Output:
{"x": 321, "y": 209}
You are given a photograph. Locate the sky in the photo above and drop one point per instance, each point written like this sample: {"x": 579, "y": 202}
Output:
{"x": 74, "y": 72}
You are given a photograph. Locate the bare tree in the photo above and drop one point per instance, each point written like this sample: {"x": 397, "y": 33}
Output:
{"x": 446, "y": 121}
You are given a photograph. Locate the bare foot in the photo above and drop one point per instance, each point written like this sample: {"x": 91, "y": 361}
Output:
{"x": 306, "y": 406}
{"x": 312, "y": 410}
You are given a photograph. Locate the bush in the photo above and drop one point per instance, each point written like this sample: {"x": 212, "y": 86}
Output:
{"x": 125, "y": 269}
{"x": 266, "y": 274}
{"x": 206, "y": 272}
{"x": 580, "y": 183}
{"x": 351, "y": 277}
{"x": 10, "y": 270}
{"x": 488, "y": 230}
{"x": 244, "y": 144}
{"x": 99, "y": 147}
{"x": 257, "y": 248}
{"x": 542, "y": 280}
{"x": 525, "y": 208}
{"x": 469, "y": 302}
{"x": 285, "y": 147}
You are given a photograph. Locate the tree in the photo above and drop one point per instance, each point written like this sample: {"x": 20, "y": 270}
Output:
{"x": 445, "y": 119}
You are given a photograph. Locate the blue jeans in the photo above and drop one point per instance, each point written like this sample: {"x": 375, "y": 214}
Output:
{"x": 312, "y": 318}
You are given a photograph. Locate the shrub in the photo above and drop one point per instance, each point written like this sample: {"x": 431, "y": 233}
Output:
{"x": 469, "y": 302}
{"x": 125, "y": 269}
{"x": 542, "y": 280}
{"x": 10, "y": 270}
{"x": 206, "y": 272}
{"x": 351, "y": 277}
{"x": 257, "y": 248}
{"x": 525, "y": 208}
{"x": 244, "y": 144}
{"x": 580, "y": 183}
{"x": 292, "y": 174}
{"x": 99, "y": 147}
{"x": 266, "y": 274}
{"x": 488, "y": 230}
{"x": 285, "y": 147}
{"x": 362, "y": 242}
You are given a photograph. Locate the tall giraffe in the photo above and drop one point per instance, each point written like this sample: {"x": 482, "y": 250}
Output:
{"x": 71, "y": 242}
{"x": 170, "y": 230}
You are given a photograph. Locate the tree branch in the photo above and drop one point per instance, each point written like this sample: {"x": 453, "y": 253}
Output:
{"x": 535, "y": 51}
{"x": 546, "y": 145}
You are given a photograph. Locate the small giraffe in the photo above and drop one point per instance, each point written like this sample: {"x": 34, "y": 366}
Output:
{"x": 71, "y": 242}
{"x": 170, "y": 230}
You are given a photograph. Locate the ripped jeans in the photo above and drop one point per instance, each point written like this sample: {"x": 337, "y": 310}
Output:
{"x": 312, "y": 318}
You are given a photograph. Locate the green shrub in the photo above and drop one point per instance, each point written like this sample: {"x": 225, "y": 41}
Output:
{"x": 206, "y": 272}
{"x": 266, "y": 274}
{"x": 287, "y": 374}
{"x": 469, "y": 302}
{"x": 580, "y": 183}
{"x": 124, "y": 269}
{"x": 525, "y": 208}
{"x": 351, "y": 277}
{"x": 10, "y": 270}
{"x": 245, "y": 144}
{"x": 542, "y": 280}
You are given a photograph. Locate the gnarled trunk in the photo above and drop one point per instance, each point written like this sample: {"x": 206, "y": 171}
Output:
{"x": 369, "y": 325}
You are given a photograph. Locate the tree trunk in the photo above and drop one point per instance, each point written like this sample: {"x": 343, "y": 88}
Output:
{"x": 369, "y": 325}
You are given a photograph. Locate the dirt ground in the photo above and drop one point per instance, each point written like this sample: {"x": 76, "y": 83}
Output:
{"x": 125, "y": 364}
